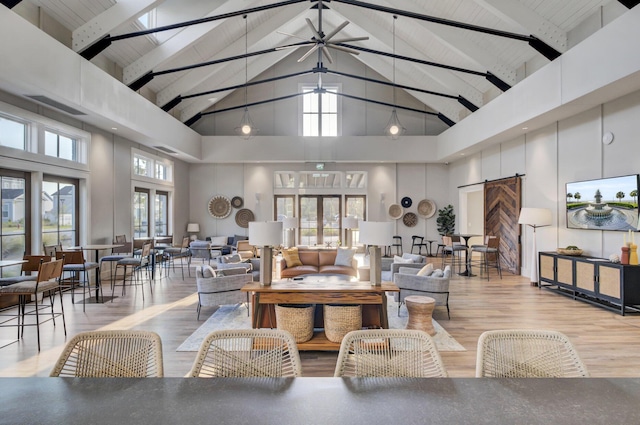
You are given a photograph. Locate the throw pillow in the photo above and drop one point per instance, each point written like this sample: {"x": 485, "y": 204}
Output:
{"x": 232, "y": 259}
{"x": 237, "y": 238}
{"x": 398, "y": 259}
{"x": 208, "y": 271}
{"x": 415, "y": 257}
{"x": 344, "y": 257}
{"x": 447, "y": 272}
{"x": 291, "y": 257}
{"x": 218, "y": 240}
{"x": 426, "y": 270}
{"x": 437, "y": 273}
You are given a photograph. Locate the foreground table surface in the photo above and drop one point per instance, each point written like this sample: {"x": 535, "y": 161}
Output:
{"x": 320, "y": 401}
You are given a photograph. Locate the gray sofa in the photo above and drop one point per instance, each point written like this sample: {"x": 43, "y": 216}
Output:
{"x": 221, "y": 290}
{"x": 430, "y": 286}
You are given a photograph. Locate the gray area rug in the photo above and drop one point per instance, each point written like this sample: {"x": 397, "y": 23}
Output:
{"x": 235, "y": 317}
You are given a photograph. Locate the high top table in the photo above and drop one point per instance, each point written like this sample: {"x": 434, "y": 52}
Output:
{"x": 311, "y": 401}
{"x": 96, "y": 248}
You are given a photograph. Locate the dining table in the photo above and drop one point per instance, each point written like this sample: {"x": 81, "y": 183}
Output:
{"x": 314, "y": 400}
{"x": 96, "y": 248}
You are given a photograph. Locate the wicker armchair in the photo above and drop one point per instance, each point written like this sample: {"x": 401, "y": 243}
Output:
{"x": 389, "y": 353}
{"x": 527, "y": 354}
{"x": 247, "y": 353}
{"x": 111, "y": 354}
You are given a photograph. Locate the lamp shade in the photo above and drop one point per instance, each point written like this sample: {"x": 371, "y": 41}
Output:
{"x": 193, "y": 227}
{"x": 350, "y": 223}
{"x": 378, "y": 233}
{"x": 535, "y": 217}
{"x": 265, "y": 233}
{"x": 290, "y": 223}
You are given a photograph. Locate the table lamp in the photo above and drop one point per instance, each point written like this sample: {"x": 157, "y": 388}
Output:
{"x": 265, "y": 234}
{"x": 349, "y": 223}
{"x": 289, "y": 224}
{"x": 375, "y": 234}
{"x": 535, "y": 217}
{"x": 193, "y": 228}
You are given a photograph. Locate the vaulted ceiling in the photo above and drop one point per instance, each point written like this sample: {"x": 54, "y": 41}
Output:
{"x": 451, "y": 70}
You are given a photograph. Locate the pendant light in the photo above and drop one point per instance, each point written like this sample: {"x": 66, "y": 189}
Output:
{"x": 394, "y": 128}
{"x": 246, "y": 129}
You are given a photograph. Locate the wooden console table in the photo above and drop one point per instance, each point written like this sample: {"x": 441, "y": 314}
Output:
{"x": 372, "y": 298}
{"x": 591, "y": 279}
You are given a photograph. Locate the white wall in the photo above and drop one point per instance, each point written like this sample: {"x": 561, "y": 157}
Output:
{"x": 568, "y": 150}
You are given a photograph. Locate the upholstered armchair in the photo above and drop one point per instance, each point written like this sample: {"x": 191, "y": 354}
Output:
{"x": 389, "y": 267}
{"x": 436, "y": 287}
{"x": 246, "y": 250}
{"x": 221, "y": 287}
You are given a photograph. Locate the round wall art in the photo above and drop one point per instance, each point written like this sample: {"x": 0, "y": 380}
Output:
{"x": 237, "y": 202}
{"x": 426, "y": 208}
{"x": 243, "y": 217}
{"x": 410, "y": 219}
{"x": 395, "y": 211}
{"x": 406, "y": 202}
{"x": 219, "y": 206}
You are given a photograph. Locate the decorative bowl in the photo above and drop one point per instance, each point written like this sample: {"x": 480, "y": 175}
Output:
{"x": 564, "y": 251}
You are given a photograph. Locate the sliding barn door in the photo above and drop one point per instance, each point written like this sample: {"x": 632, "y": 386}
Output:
{"x": 501, "y": 210}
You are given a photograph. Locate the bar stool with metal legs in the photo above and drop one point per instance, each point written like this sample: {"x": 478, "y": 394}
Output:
{"x": 454, "y": 248}
{"x": 490, "y": 253}
{"x": 137, "y": 265}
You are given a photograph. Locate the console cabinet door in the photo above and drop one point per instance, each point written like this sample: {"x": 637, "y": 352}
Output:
{"x": 547, "y": 270}
{"x": 609, "y": 282}
{"x": 564, "y": 272}
{"x": 586, "y": 277}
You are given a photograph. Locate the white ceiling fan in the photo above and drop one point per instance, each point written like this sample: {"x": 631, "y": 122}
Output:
{"x": 322, "y": 42}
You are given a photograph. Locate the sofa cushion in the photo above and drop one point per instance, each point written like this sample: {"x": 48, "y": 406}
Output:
{"x": 237, "y": 238}
{"x": 333, "y": 269}
{"x": 218, "y": 240}
{"x": 208, "y": 271}
{"x": 326, "y": 257}
{"x": 298, "y": 270}
{"x": 344, "y": 257}
{"x": 415, "y": 257}
{"x": 291, "y": 257}
{"x": 398, "y": 259}
{"x": 426, "y": 270}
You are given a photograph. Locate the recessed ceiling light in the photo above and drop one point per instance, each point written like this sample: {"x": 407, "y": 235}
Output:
{"x": 525, "y": 128}
{"x": 114, "y": 128}
{"x": 212, "y": 99}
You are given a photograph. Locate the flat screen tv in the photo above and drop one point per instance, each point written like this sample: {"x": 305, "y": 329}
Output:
{"x": 603, "y": 204}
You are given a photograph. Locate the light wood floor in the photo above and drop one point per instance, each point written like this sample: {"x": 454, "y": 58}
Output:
{"x": 608, "y": 343}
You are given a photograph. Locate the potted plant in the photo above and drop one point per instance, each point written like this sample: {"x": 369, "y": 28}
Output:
{"x": 446, "y": 220}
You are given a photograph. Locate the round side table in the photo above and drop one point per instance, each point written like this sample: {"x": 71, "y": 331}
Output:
{"x": 420, "y": 309}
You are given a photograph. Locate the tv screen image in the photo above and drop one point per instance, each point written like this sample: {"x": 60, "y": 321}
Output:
{"x": 603, "y": 204}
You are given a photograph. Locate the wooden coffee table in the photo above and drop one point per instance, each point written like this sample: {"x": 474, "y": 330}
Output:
{"x": 319, "y": 290}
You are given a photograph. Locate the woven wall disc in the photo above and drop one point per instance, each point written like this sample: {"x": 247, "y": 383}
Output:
{"x": 395, "y": 211}
{"x": 426, "y": 208}
{"x": 219, "y": 206}
{"x": 237, "y": 202}
{"x": 410, "y": 219}
{"x": 243, "y": 217}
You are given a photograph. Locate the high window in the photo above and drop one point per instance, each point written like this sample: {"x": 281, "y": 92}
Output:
{"x": 59, "y": 211}
{"x": 152, "y": 167}
{"x": 320, "y": 111}
{"x": 60, "y": 146}
{"x": 13, "y": 134}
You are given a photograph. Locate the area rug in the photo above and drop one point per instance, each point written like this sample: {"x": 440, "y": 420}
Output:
{"x": 235, "y": 317}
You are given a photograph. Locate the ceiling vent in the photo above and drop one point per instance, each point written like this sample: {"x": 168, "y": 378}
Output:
{"x": 54, "y": 103}
{"x": 166, "y": 150}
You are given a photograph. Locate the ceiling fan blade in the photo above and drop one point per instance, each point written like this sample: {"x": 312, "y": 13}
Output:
{"x": 327, "y": 54}
{"x": 349, "y": 40}
{"x": 292, "y": 35}
{"x": 294, "y": 46}
{"x": 343, "y": 49}
{"x": 311, "y": 50}
{"x": 315, "y": 32}
{"x": 335, "y": 31}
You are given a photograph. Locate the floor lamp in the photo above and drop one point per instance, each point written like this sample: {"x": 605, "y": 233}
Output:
{"x": 375, "y": 234}
{"x": 349, "y": 223}
{"x": 535, "y": 217}
{"x": 266, "y": 234}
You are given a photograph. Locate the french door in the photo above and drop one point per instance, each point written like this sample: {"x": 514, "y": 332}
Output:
{"x": 320, "y": 220}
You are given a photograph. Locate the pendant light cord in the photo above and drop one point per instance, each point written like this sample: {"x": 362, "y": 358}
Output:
{"x": 246, "y": 59}
{"x": 394, "y": 60}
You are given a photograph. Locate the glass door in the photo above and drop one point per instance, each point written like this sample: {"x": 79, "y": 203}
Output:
{"x": 320, "y": 220}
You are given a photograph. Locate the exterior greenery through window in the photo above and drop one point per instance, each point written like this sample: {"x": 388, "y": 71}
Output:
{"x": 59, "y": 211}
{"x": 320, "y": 111}
{"x": 16, "y": 207}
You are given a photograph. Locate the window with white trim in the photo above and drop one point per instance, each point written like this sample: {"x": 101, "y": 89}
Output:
{"x": 60, "y": 146}
{"x": 320, "y": 111}
{"x": 152, "y": 167}
{"x": 13, "y": 134}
